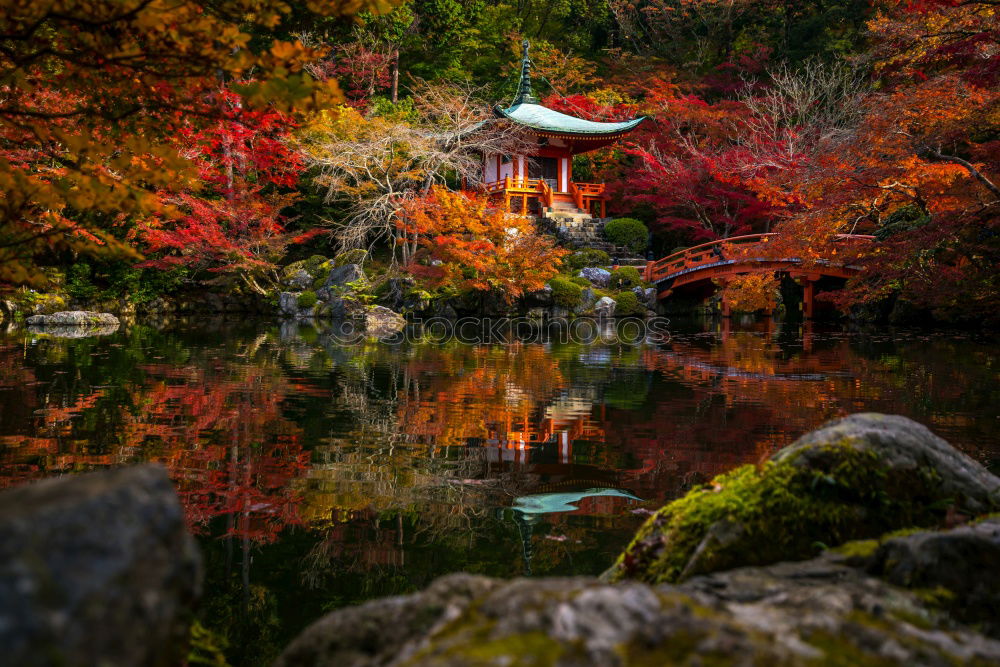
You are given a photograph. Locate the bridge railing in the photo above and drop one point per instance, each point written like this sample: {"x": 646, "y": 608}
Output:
{"x": 714, "y": 252}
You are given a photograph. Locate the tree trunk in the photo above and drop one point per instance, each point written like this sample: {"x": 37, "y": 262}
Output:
{"x": 395, "y": 76}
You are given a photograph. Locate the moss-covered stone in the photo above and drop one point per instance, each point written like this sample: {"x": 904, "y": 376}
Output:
{"x": 953, "y": 570}
{"x": 857, "y": 550}
{"x": 306, "y": 299}
{"x": 584, "y": 258}
{"x": 355, "y": 256}
{"x": 810, "y": 613}
{"x": 807, "y": 498}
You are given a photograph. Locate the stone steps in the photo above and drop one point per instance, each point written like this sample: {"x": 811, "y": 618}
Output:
{"x": 578, "y": 228}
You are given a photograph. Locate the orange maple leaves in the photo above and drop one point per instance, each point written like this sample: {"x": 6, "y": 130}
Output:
{"x": 467, "y": 245}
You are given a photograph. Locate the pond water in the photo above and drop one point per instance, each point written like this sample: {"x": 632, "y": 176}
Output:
{"x": 318, "y": 474}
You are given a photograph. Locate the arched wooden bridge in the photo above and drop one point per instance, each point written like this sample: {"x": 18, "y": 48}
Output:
{"x": 709, "y": 264}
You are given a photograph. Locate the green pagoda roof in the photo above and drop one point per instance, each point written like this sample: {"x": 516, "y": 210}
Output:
{"x": 542, "y": 118}
{"x": 525, "y": 110}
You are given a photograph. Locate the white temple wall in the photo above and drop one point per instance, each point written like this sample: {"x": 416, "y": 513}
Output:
{"x": 506, "y": 169}
{"x": 490, "y": 172}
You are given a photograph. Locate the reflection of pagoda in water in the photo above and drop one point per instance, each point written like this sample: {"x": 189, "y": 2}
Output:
{"x": 566, "y": 420}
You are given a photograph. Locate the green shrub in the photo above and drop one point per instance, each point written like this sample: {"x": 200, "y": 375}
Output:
{"x": 403, "y": 110}
{"x": 584, "y": 258}
{"x": 628, "y": 304}
{"x": 581, "y": 281}
{"x": 355, "y": 256}
{"x": 78, "y": 284}
{"x": 121, "y": 279}
{"x": 566, "y": 293}
{"x": 628, "y": 232}
{"x": 625, "y": 277}
{"x": 307, "y": 299}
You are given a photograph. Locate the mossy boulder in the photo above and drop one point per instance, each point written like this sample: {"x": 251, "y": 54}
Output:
{"x": 382, "y": 322}
{"x": 306, "y": 273}
{"x": 354, "y": 256}
{"x": 584, "y": 258}
{"x": 813, "y": 613}
{"x": 306, "y": 299}
{"x": 854, "y": 478}
{"x": 38, "y": 303}
{"x": 73, "y": 318}
{"x": 343, "y": 276}
{"x": 896, "y": 599}
{"x": 954, "y": 570}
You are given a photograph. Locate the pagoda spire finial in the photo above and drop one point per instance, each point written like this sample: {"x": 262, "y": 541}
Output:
{"x": 524, "y": 94}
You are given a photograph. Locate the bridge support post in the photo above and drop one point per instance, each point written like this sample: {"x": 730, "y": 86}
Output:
{"x": 724, "y": 305}
{"x": 808, "y": 282}
{"x": 808, "y": 292}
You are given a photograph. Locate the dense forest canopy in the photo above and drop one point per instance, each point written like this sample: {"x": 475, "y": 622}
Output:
{"x": 162, "y": 143}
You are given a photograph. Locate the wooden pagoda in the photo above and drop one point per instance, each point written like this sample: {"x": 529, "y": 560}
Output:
{"x": 543, "y": 179}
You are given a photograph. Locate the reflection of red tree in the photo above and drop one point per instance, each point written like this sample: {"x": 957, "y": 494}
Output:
{"x": 222, "y": 435}
{"x": 218, "y": 430}
{"x": 16, "y": 380}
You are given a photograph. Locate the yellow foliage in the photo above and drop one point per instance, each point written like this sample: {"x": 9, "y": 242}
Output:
{"x": 752, "y": 292}
{"x": 94, "y": 93}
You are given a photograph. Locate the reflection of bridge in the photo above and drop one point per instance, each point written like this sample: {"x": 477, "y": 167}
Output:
{"x": 690, "y": 366}
{"x": 704, "y": 266}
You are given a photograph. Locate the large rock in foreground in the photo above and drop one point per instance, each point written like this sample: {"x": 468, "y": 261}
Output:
{"x": 816, "y": 612}
{"x": 96, "y": 569}
{"x": 854, "y": 478}
{"x": 958, "y": 567}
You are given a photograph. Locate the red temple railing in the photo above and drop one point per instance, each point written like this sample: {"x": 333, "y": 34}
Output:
{"x": 718, "y": 253}
{"x": 582, "y": 195}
